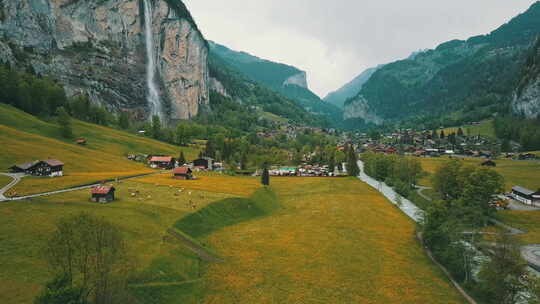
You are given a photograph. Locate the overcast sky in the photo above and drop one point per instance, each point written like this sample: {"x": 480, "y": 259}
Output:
{"x": 335, "y": 40}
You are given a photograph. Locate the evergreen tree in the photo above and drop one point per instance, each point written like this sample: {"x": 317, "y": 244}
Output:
{"x": 243, "y": 161}
{"x": 123, "y": 120}
{"x": 265, "y": 178}
{"x": 65, "y": 123}
{"x": 352, "y": 163}
{"x": 442, "y": 136}
{"x": 156, "y": 127}
{"x": 460, "y": 132}
{"x": 181, "y": 159}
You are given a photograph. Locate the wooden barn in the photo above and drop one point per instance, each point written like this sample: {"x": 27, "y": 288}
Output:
{"x": 161, "y": 162}
{"x": 184, "y": 173}
{"x": 49, "y": 167}
{"x": 526, "y": 196}
{"x": 103, "y": 194}
{"x": 205, "y": 162}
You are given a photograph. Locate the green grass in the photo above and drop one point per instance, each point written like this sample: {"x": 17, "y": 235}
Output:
{"x": 4, "y": 180}
{"x": 25, "y": 138}
{"x": 332, "y": 241}
{"x": 524, "y": 220}
{"x": 485, "y": 128}
{"x": 228, "y": 212}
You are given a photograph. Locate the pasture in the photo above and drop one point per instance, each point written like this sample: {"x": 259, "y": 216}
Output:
{"x": 25, "y": 138}
{"x": 332, "y": 241}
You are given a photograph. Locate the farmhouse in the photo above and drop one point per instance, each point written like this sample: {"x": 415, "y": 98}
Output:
{"x": 49, "y": 167}
{"x": 103, "y": 194}
{"x": 204, "y": 162}
{"x": 184, "y": 173}
{"x": 526, "y": 196}
{"x": 161, "y": 162}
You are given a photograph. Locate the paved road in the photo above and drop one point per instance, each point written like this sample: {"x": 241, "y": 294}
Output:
{"x": 16, "y": 178}
{"x": 18, "y": 198}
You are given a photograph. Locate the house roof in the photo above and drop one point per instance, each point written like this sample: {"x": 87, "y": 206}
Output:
{"x": 102, "y": 189}
{"x": 166, "y": 159}
{"x": 53, "y": 162}
{"x": 26, "y": 166}
{"x": 522, "y": 190}
{"x": 182, "y": 170}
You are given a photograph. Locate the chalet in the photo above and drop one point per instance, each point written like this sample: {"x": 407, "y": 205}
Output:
{"x": 526, "y": 196}
{"x": 183, "y": 173}
{"x": 489, "y": 163}
{"x": 205, "y": 162}
{"x": 161, "y": 162}
{"x": 103, "y": 194}
{"x": 49, "y": 167}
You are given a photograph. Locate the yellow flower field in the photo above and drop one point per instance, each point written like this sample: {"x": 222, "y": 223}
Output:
{"x": 334, "y": 241}
{"x": 239, "y": 186}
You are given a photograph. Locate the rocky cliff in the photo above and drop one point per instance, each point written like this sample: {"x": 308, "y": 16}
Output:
{"x": 97, "y": 48}
{"x": 526, "y": 99}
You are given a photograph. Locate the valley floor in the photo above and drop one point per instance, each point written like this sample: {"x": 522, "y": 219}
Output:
{"x": 303, "y": 240}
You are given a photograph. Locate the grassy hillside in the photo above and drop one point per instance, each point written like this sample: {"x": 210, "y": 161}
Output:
{"x": 334, "y": 241}
{"x": 485, "y": 128}
{"x": 25, "y": 138}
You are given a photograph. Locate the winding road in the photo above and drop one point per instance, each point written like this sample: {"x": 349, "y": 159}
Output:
{"x": 16, "y": 178}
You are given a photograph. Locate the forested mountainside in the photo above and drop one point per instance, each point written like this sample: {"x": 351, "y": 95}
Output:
{"x": 287, "y": 80}
{"x": 98, "y": 49}
{"x": 352, "y": 88}
{"x": 239, "y": 101}
{"x": 526, "y": 99}
{"x": 456, "y": 82}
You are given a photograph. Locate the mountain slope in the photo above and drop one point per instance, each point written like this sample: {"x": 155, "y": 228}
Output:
{"x": 526, "y": 100}
{"x": 457, "y": 76}
{"x": 25, "y": 138}
{"x": 287, "y": 80}
{"x": 98, "y": 49}
{"x": 349, "y": 90}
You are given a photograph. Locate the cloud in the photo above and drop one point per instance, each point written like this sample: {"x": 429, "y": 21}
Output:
{"x": 336, "y": 40}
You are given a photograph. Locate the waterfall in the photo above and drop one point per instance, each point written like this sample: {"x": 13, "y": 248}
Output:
{"x": 153, "y": 95}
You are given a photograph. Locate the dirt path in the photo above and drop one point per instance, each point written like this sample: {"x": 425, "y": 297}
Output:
{"x": 196, "y": 248}
{"x": 420, "y": 190}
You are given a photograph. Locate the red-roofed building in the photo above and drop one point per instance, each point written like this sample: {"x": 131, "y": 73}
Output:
{"x": 161, "y": 162}
{"x": 184, "y": 173}
{"x": 103, "y": 194}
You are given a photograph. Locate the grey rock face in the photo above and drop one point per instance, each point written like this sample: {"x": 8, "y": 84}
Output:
{"x": 528, "y": 102}
{"x": 299, "y": 79}
{"x": 97, "y": 48}
{"x": 359, "y": 108}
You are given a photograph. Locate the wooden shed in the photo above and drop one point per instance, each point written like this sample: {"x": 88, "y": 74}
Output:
{"x": 161, "y": 162}
{"x": 103, "y": 194}
{"x": 184, "y": 173}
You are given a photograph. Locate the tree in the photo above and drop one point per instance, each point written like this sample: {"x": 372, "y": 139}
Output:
{"x": 442, "y": 136}
{"x": 265, "y": 178}
{"x": 123, "y": 120}
{"x": 434, "y": 135}
{"x": 181, "y": 158}
{"x": 93, "y": 255}
{"x": 505, "y": 278}
{"x": 352, "y": 163}
{"x": 446, "y": 180}
{"x": 243, "y": 161}
{"x": 460, "y": 132}
{"x": 61, "y": 291}
{"x": 156, "y": 127}
{"x": 64, "y": 120}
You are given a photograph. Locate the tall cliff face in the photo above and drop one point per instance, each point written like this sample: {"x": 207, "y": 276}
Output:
{"x": 97, "y": 48}
{"x": 526, "y": 99}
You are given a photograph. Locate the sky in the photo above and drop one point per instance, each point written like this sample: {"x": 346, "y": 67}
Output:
{"x": 335, "y": 40}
